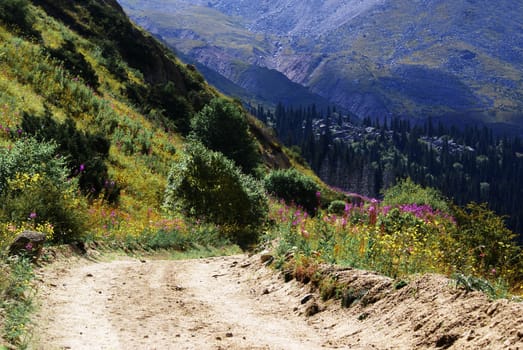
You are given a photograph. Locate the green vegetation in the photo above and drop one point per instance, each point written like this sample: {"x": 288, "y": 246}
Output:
{"x": 36, "y": 193}
{"x": 75, "y": 63}
{"x": 207, "y": 185}
{"x": 84, "y": 153}
{"x": 15, "y": 13}
{"x": 16, "y": 300}
{"x": 337, "y": 207}
{"x": 407, "y": 192}
{"x": 398, "y": 241}
{"x": 294, "y": 187}
{"x": 485, "y": 235}
{"x": 222, "y": 126}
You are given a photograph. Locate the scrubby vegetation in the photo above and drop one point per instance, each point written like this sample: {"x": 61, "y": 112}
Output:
{"x": 294, "y": 187}
{"x": 16, "y": 300}
{"x": 207, "y": 185}
{"x": 397, "y": 240}
{"x": 16, "y": 15}
{"x": 37, "y": 194}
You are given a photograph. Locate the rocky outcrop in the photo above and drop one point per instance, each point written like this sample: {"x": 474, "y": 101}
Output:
{"x": 28, "y": 243}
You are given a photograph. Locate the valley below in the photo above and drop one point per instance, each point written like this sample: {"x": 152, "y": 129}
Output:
{"x": 236, "y": 302}
{"x": 446, "y": 59}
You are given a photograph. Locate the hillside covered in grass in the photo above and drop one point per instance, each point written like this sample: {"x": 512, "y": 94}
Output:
{"x": 80, "y": 82}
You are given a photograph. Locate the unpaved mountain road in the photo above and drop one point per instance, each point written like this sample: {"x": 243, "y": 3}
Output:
{"x": 236, "y": 303}
{"x": 197, "y": 304}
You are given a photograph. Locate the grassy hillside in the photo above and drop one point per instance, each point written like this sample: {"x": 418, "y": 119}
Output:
{"x": 102, "y": 93}
{"x": 85, "y": 68}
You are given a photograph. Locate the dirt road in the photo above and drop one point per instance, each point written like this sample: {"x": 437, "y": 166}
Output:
{"x": 198, "y": 304}
{"x": 236, "y": 303}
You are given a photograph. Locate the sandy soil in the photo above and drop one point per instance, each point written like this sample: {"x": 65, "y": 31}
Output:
{"x": 237, "y": 303}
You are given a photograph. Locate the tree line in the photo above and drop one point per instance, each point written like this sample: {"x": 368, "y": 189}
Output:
{"x": 468, "y": 164}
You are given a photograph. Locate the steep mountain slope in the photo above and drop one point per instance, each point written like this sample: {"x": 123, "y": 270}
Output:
{"x": 186, "y": 28}
{"x": 85, "y": 65}
{"x": 117, "y": 102}
{"x": 374, "y": 57}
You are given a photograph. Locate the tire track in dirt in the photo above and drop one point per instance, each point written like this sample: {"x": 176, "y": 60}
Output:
{"x": 197, "y": 304}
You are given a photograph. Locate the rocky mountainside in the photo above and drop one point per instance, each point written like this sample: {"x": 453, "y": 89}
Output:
{"x": 376, "y": 58}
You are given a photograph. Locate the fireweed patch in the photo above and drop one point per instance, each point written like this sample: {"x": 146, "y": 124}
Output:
{"x": 396, "y": 240}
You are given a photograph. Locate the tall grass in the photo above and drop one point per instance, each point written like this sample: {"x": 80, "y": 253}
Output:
{"x": 396, "y": 241}
{"x": 16, "y": 299}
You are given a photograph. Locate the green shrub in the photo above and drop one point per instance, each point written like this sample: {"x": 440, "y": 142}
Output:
{"x": 34, "y": 186}
{"x": 407, "y": 192}
{"x": 85, "y": 153}
{"x": 222, "y": 127}
{"x": 337, "y": 207}
{"x": 493, "y": 245}
{"x": 29, "y": 156}
{"x": 208, "y": 186}
{"x": 293, "y": 187}
{"x": 16, "y": 14}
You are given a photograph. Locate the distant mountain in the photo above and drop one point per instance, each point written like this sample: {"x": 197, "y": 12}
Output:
{"x": 459, "y": 59}
{"x": 227, "y": 69}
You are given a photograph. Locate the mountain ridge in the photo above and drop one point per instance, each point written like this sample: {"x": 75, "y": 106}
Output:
{"x": 373, "y": 58}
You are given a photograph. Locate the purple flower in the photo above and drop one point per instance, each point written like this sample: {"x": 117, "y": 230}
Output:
{"x": 82, "y": 167}
{"x": 385, "y": 210}
{"x": 29, "y": 246}
{"x": 32, "y": 216}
